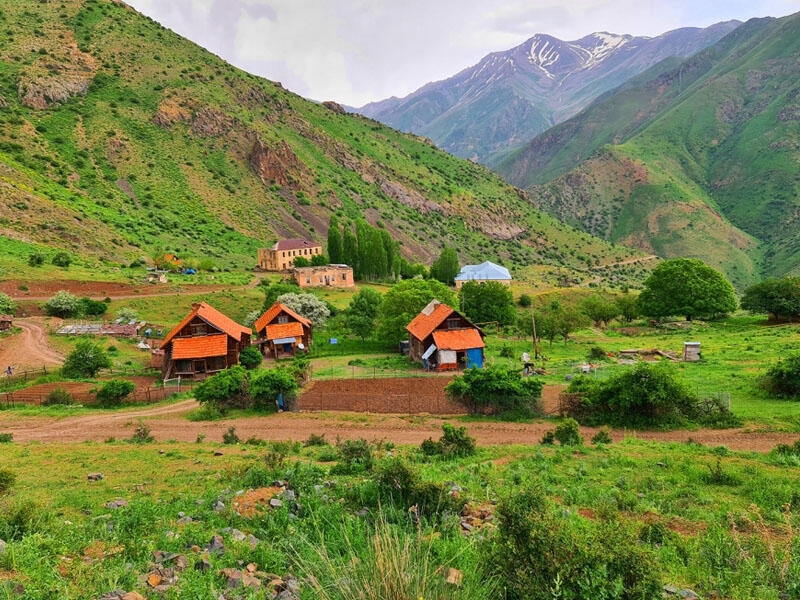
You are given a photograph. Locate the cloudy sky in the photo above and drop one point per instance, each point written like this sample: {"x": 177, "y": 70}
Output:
{"x": 358, "y": 51}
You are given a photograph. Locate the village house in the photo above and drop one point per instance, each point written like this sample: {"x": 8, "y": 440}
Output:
{"x": 443, "y": 339}
{"x": 205, "y": 342}
{"x": 486, "y": 271}
{"x": 281, "y": 331}
{"x": 330, "y": 275}
{"x": 280, "y": 257}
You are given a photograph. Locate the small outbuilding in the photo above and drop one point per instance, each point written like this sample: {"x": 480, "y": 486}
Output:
{"x": 281, "y": 331}
{"x": 6, "y": 321}
{"x": 691, "y": 351}
{"x": 486, "y": 271}
{"x": 443, "y": 339}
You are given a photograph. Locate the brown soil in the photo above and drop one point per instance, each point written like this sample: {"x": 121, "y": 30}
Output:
{"x": 29, "y": 348}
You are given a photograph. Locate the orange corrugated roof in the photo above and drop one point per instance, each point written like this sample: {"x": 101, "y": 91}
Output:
{"x": 284, "y": 330}
{"x": 457, "y": 339}
{"x": 422, "y": 325}
{"x": 273, "y": 311}
{"x": 200, "y": 346}
{"x": 214, "y": 318}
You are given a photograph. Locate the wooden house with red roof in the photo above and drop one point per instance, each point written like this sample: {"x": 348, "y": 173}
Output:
{"x": 205, "y": 342}
{"x": 281, "y": 331}
{"x": 443, "y": 339}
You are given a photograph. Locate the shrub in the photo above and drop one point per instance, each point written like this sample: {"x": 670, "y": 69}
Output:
{"x": 7, "y": 479}
{"x": 402, "y": 485}
{"x": 57, "y": 397}
{"x": 141, "y": 435}
{"x": 7, "y": 304}
{"x": 783, "y": 379}
{"x": 230, "y": 437}
{"x": 6, "y": 438}
{"x": 36, "y": 259}
{"x": 113, "y": 392}
{"x": 540, "y": 552}
{"x": 62, "y": 259}
{"x": 355, "y": 456}
{"x": 91, "y": 308}
{"x": 315, "y": 440}
{"x": 85, "y": 360}
{"x": 17, "y": 520}
{"x": 250, "y": 357}
{"x": 274, "y": 386}
{"x": 596, "y": 354}
{"x": 225, "y": 389}
{"x": 455, "y": 442}
{"x": 496, "y": 389}
{"x": 549, "y": 438}
{"x": 601, "y": 437}
{"x": 568, "y": 433}
{"x": 525, "y": 300}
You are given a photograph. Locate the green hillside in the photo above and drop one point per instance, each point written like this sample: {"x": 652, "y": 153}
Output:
{"x": 120, "y": 140}
{"x": 691, "y": 159}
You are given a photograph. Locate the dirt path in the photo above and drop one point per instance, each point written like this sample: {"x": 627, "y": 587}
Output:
{"x": 169, "y": 422}
{"x": 28, "y": 348}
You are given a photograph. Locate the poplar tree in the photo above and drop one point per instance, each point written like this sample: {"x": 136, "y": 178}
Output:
{"x": 335, "y": 250}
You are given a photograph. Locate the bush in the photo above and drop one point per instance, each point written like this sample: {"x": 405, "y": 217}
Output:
{"x": 315, "y": 440}
{"x": 36, "y": 259}
{"x": 355, "y": 456}
{"x": 62, "y": 304}
{"x": 7, "y": 304}
{"x": 540, "y": 552}
{"x": 496, "y": 389}
{"x": 602, "y": 437}
{"x": 6, "y": 438}
{"x": 91, "y": 308}
{"x": 225, "y": 389}
{"x": 230, "y": 437}
{"x": 568, "y": 433}
{"x": 58, "y": 397}
{"x": 401, "y": 484}
{"x": 455, "y": 442}
{"x": 113, "y": 392}
{"x": 141, "y": 435}
{"x": 85, "y": 360}
{"x": 783, "y": 379}
{"x": 250, "y": 358}
{"x": 62, "y": 259}
{"x": 7, "y": 479}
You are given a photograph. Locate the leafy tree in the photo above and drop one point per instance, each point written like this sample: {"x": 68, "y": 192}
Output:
{"x": 335, "y": 250}
{"x": 114, "y": 391}
{"x": 487, "y": 302}
{"x": 496, "y": 389}
{"x": 410, "y": 270}
{"x": 62, "y": 304}
{"x": 363, "y": 311}
{"x": 600, "y": 308}
{"x": 319, "y": 260}
{"x": 525, "y": 300}
{"x": 62, "y": 259}
{"x": 85, "y": 360}
{"x": 7, "y": 304}
{"x": 265, "y": 388}
{"x": 308, "y": 306}
{"x": 778, "y": 297}
{"x": 688, "y": 287}
{"x": 228, "y": 388}
{"x": 555, "y": 320}
{"x": 627, "y": 306}
{"x": 446, "y": 267}
{"x": 274, "y": 291}
{"x": 403, "y": 302}
{"x": 250, "y": 357}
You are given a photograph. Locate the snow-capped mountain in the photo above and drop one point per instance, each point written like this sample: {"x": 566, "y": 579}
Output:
{"x": 509, "y": 97}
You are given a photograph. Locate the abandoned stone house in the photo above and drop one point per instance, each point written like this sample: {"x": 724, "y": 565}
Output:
{"x": 329, "y": 275}
{"x": 280, "y": 257}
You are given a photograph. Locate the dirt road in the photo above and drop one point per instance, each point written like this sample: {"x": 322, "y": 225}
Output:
{"x": 28, "y": 348}
{"x": 169, "y": 422}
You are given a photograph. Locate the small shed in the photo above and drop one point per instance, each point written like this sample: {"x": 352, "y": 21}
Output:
{"x": 691, "y": 351}
{"x": 6, "y": 321}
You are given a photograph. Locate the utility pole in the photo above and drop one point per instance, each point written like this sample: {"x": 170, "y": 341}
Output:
{"x": 535, "y": 344}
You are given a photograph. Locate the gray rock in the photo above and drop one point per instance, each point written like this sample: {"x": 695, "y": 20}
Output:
{"x": 202, "y": 565}
{"x": 275, "y": 503}
{"x": 95, "y": 477}
{"x": 216, "y": 545}
{"x": 3, "y": 546}
{"x": 288, "y": 495}
{"x": 184, "y": 520}
{"x": 687, "y": 593}
{"x": 238, "y": 535}
{"x": 252, "y": 540}
{"x": 114, "y": 504}
{"x": 219, "y": 505}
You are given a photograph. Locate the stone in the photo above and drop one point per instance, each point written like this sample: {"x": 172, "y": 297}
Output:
{"x": 3, "y": 546}
{"x": 275, "y": 503}
{"x": 219, "y": 505}
{"x": 202, "y": 565}
{"x": 216, "y": 545}
{"x": 133, "y": 596}
{"x": 688, "y": 594}
{"x": 114, "y": 504}
{"x": 453, "y": 576}
{"x": 238, "y": 535}
{"x": 288, "y": 495}
{"x": 95, "y": 477}
{"x": 252, "y": 540}
{"x": 218, "y": 453}
{"x": 184, "y": 520}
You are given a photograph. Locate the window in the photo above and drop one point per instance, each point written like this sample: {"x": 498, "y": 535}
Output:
{"x": 308, "y": 280}
{"x": 283, "y": 319}
{"x": 453, "y": 323}
{"x": 198, "y": 328}
{"x": 344, "y": 276}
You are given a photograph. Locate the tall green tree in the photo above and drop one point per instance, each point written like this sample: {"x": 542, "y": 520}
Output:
{"x": 777, "y": 297}
{"x": 350, "y": 252}
{"x": 446, "y": 267}
{"x": 686, "y": 287}
{"x": 7, "y": 304}
{"x": 85, "y": 360}
{"x": 600, "y": 308}
{"x": 487, "y": 302}
{"x": 403, "y": 302}
{"x": 335, "y": 250}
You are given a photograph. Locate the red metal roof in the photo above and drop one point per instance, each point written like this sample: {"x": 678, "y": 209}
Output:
{"x": 200, "y": 346}
{"x": 273, "y": 311}
{"x": 295, "y": 244}
{"x": 284, "y": 330}
{"x": 214, "y": 318}
{"x": 457, "y": 339}
{"x": 422, "y": 325}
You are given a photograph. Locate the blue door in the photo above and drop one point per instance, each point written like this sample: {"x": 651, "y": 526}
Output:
{"x": 475, "y": 358}
{"x": 287, "y": 347}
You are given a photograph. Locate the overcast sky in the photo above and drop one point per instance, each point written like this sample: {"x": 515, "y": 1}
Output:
{"x": 358, "y": 51}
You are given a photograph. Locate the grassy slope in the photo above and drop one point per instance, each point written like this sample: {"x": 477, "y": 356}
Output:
{"x": 714, "y": 140}
{"x": 155, "y": 156}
